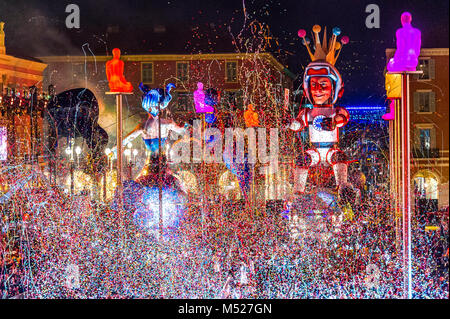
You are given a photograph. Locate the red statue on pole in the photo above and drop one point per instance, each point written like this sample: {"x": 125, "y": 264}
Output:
{"x": 114, "y": 74}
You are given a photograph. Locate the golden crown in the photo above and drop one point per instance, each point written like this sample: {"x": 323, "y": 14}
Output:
{"x": 324, "y": 52}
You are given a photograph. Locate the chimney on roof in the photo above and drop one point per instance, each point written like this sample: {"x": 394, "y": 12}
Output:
{"x": 2, "y": 39}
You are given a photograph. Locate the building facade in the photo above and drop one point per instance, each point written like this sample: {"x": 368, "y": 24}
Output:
{"x": 429, "y": 114}
{"x": 21, "y": 106}
{"x": 240, "y": 79}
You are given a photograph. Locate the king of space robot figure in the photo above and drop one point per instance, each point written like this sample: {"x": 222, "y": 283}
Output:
{"x": 322, "y": 86}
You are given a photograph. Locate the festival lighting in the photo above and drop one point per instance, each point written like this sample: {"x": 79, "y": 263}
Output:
{"x": 147, "y": 210}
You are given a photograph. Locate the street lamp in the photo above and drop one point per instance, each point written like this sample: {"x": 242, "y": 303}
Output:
{"x": 135, "y": 153}
{"x": 78, "y": 152}
{"x": 108, "y": 152}
{"x": 69, "y": 152}
{"x": 127, "y": 154}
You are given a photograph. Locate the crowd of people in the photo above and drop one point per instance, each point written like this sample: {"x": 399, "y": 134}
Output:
{"x": 59, "y": 252}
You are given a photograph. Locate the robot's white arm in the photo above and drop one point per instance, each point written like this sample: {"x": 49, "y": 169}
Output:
{"x": 300, "y": 122}
{"x": 178, "y": 129}
{"x": 131, "y": 137}
{"x": 295, "y": 126}
{"x": 135, "y": 133}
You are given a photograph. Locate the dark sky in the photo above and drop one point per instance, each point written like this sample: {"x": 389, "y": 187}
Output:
{"x": 37, "y": 27}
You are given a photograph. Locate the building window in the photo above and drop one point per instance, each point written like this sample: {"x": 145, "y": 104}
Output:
{"x": 426, "y": 187}
{"x": 3, "y": 144}
{"x": 233, "y": 100}
{"x": 78, "y": 70}
{"x": 424, "y": 102}
{"x": 427, "y": 66}
{"x": 424, "y": 66}
{"x": 425, "y": 139}
{"x": 231, "y": 71}
{"x": 184, "y": 101}
{"x": 147, "y": 72}
{"x": 182, "y": 71}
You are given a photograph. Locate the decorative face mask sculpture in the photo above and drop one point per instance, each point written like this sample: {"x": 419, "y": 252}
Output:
{"x": 321, "y": 89}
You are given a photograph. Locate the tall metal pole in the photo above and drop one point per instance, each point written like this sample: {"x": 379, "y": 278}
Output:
{"x": 104, "y": 184}
{"x": 204, "y": 174}
{"x": 71, "y": 177}
{"x": 161, "y": 225}
{"x": 119, "y": 130}
{"x": 406, "y": 196}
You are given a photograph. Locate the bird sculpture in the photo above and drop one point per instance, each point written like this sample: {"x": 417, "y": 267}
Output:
{"x": 153, "y": 97}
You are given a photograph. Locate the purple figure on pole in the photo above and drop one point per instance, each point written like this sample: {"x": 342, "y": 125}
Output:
{"x": 199, "y": 100}
{"x": 408, "y": 47}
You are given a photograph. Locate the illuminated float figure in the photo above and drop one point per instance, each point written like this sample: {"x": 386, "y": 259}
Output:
{"x": 140, "y": 196}
{"x": 251, "y": 117}
{"x": 405, "y": 59}
{"x": 150, "y": 129}
{"x": 204, "y": 103}
{"x": 322, "y": 86}
{"x": 114, "y": 74}
{"x": 408, "y": 47}
{"x": 200, "y": 100}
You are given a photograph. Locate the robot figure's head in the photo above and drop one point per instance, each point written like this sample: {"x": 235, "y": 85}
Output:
{"x": 322, "y": 83}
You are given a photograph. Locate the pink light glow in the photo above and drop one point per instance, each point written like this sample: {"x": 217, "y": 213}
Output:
{"x": 391, "y": 115}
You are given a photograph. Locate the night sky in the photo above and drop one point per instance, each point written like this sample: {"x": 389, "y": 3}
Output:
{"x": 36, "y": 28}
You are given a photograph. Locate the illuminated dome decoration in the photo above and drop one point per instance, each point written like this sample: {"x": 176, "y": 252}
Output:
{"x": 146, "y": 216}
{"x": 229, "y": 183}
{"x": 188, "y": 180}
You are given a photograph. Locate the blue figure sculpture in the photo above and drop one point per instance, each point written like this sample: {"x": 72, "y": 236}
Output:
{"x": 211, "y": 99}
{"x": 153, "y": 97}
{"x": 150, "y": 129}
